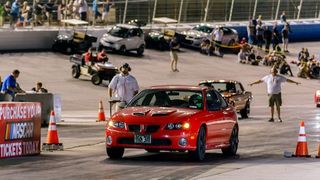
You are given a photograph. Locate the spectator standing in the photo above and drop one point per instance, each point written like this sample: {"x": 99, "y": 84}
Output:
{"x": 267, "y": 36}
{"x": 48, "y": 9}
{"x": 25, "y": 13}
{"x": 38, "y": 12}
{"x": 83, "y": 9}
{"x": 69, "y": 9}
{"x": 7, "y": 11}
{"x": 285, "y": 37}
{"x": 274, "y": 81}
{"x": 2, "y": 14}
{"x": 62, "y": 9}
{"x": 95, "y": 9}
{"x": 106, "y": 8}
{"x": 275, "y": 36}
{"x": 15, "y": 12}
{"x": 259, "y": 35}
{"x": 174, "y": 48}
{"x": 9, "y": 85}
{"x": 0, "y": 83}
{"x": 123, "y": 86}
{"x": 259, "y": 20}
{"x": 251, "y": 32}
{"x": 283, "y": 17}
{"x": 217, "y": 37}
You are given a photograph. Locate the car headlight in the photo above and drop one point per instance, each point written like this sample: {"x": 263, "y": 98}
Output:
{"x": 116, "y": 124}
{"x": 177, "y": 126}
{"x": 318, "y": 93}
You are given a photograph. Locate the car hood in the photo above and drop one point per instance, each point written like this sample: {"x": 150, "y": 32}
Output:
{"x": 110, "y": 38}
{"x": 195, "y": 34}
{"x": 154, "y": 114}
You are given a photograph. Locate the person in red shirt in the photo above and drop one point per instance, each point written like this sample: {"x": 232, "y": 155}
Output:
{"x": 88, "y": 57}
{"x": 243, "y": 41}
{"x": 102, "y": 56}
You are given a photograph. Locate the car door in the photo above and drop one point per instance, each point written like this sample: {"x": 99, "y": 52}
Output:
{"x": 214, "y": 119}
{"x": 130, "y": 41}
{"x": 240, "y": 98}
{"x": 228, "y": 120}
{"x": 134, "y": 39}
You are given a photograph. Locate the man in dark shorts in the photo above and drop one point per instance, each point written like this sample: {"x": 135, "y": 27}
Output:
{"x": 273, "y": 81}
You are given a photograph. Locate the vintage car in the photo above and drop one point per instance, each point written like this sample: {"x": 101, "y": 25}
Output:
{"x": 234, "y": 93}
{"x": 317, "y": 98}
{"x": 193, "y": 37}
{"x": 76, "y": 41}
{"x": 160, "y": 39}
{"x": 174, "y": 118}
{"x": 98, "y": 71}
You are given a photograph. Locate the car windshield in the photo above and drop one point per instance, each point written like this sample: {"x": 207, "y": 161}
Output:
{"x": 168, "y": 98}
{"x": 119, "y": 32}
{"x": 204, "y": 29}
{"x": 222, "y": 86}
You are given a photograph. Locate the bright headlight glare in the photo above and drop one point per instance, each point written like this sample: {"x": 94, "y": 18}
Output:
{"x": 177, "y": 126}
{"x": 186, "y": 126}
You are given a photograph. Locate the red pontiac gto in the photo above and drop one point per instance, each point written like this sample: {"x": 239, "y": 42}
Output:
{"x": 174, "y": 118}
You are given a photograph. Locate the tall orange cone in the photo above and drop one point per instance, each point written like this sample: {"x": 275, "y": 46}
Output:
{"x": 101, "y": 115}
{"x": 52, "y": 137}
{"x": 318, "y": 156}
{"x": 302, "y": 145}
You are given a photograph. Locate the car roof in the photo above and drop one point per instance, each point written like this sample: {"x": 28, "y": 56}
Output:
{"x": 164, "y": 20}
{"x": 180, "y": 87}
{"x": 128, "y": 26}
{"x": 220, "y": 81}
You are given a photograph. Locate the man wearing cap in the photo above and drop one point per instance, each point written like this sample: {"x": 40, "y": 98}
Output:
{"x": 123, "y": 86}
{"x": 273, "y": 81}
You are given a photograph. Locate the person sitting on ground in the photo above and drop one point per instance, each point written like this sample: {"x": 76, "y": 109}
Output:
{"x": 315, "y": 70}
{"x": 301, "y": 54}
{"x": 88, "y": 57}
{"x": 242, "y": 56}
{"x": 252, "y": 56}
{"x": 39, "y": 88}
{"x": 243, "y": 41}
{"x": 304, "y": 71}
{"x": 285, "y": 68}
{"x": 102, "y": 56}
{"x": 312, "y": 58}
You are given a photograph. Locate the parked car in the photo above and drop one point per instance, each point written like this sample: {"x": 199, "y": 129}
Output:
{"x": 193, "y": 37}
{"x": 174, "y": 118}
{"x": 76, "y": 42}
{"x": 234, "y": 93}
{"x": 97, "y": 71}
{"x": 124, "y": 38}
{"x": 161, "y": 39}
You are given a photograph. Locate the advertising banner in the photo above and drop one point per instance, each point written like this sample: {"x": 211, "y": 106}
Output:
{"x": 20, "y": 129}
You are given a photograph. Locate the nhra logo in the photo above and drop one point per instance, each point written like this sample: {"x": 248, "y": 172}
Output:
{"x": 19, "y": 130}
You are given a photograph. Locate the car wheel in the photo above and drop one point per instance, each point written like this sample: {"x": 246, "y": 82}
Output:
{"x": 200, "y": 152}
{"x": 245, "y": 111}
{"x": 96, "y": 79}
{"x": 152, "y": 150}
{"x": 123, "y": 50}
{"x": 69, "y": 50}
{"x": 75, "y": 72}
{"x": 140, "y": 50}
{"x": 234, "y": 141}
{"x": 115, "y": 153}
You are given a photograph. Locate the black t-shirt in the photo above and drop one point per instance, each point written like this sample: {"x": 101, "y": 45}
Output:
{"x": 285, "y": 33}
{"x": 267, "y": 34}
{"x": 49, "y": 7}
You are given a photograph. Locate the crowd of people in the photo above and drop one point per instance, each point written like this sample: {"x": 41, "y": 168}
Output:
{"x": 19, "y": 13}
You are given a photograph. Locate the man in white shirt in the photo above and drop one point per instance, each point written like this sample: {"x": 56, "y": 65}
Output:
{"x": 123, "y": 86}
{"x": 218, "y": 34}
{"x": 273, "y": 82}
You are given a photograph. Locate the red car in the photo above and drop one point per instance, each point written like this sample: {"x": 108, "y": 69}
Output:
{"x": 174, "y": 118}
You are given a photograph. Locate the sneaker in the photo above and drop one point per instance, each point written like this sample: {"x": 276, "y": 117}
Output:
{"x": 280, "y": 120}
{"x": 271, "y": 120}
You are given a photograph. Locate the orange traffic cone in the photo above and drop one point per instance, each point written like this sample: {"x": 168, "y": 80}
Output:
{"x": 52, "y": 137}
{"x": 302, "y": 145}
{"x": 318, "y": 156}
{"x": 101, "y": 116}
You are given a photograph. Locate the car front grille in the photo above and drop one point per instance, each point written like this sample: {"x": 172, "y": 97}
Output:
{"x": 147, "y": 128}
{"x": 154, "y": 142}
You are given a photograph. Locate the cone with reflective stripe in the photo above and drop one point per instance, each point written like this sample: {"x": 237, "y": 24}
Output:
{"x": 101, "y": 115}
{"x": 52, "y": 137}
{"x": 302, "y": 145}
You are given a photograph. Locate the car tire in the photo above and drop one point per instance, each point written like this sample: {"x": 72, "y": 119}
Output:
{"x": 245, "y": 111}
{"x": 123, "y": 50}
{"x": 140, "y": 50}
{"x": 96, "y": 79}
{"x": 75, "y": 72}
{"x": 115, "y": 153}
{"x": 152, "y": 150}
{"x": 200, "y": 153}
{"x": 234, "y": 141}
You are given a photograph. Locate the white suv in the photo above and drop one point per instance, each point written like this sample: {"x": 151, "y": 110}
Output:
{"x": 124, "y": 38}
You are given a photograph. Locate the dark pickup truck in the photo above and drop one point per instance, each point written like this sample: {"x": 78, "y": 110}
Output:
{"x": 234, "y": 93}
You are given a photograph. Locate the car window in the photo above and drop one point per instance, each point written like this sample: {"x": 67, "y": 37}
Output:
{"x": 239, "y": 88}
{"x": 118, "y": 31}
{"x": 227, "y": 31}
{"x": 213, "y": 102}
{"x": 134, "y": 32}
{"x": 204, "y": 29}
{"x": 223, "y": 102}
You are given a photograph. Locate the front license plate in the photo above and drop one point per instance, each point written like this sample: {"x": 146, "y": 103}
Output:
{"x": 142, "y": 139}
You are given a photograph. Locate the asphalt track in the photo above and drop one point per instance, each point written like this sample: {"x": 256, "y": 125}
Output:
{"x": 260, "y": 155}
